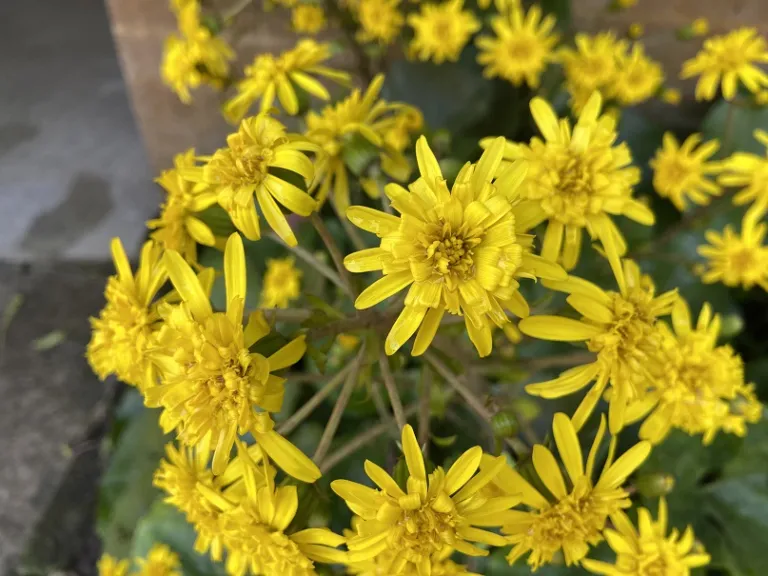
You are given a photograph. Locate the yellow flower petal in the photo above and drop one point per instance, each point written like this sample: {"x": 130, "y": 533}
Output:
{"x": 406, "y": 324}
{"x": 383, "y": 289}
{"x": 568, "y": 382}
{"x": 463, "y": 469}
{"x": 289, "y": 354}
{"x": 568, "y": 446}
{"x": 371, "y": 220}
{"x": 413, "y": 456}
{"x": 557, "y": 328}
{"x": 235, "y": 276}
{"x": 428, "y": 165}
{"x": 549, "y": 472}
{"x": 427, "y": 331}
{"x": 187, "y": 285}
{"x": 289, "y": 458}
{"x": 624, "y": 466}
{"x": 382, "y": 479}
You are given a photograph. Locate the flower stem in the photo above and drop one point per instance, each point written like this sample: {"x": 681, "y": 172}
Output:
{"x": 389, "y": 384}
{"x": 333, "y": 249}
{"x": 228, "y": 15}
{"x": 351, "y": 231}
{"x": 425, "y": 397}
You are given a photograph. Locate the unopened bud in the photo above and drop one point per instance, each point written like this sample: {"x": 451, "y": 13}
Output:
{"x": 655, "y": 485}
{"x": 504, "y": 425}
{"x": 731, "y": 326}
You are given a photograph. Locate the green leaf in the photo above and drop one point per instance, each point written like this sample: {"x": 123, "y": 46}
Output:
{"x": 164, "y": 524}
{"x": 358, "y": 154}
{"x": 733, "y": 124}
{"x": 752, "y": 457}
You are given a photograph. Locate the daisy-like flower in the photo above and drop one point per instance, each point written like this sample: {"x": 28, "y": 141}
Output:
{"x": 178, "y": 228}
{"x": 441, "y": 564}
{"x": 380, "y": 21}
{"x": 620, "y": 327}
{"x": 269, "y": 77}
{"x": 592, "y": 65}
{"x": 462, "y": 250}
{"x": 521, "y": 47}
{"x": 648, "y": 549}
{"x": 698, "y": 386}
{"x": 441, "y": 31}
{"x": 736, "y": 259}
{"x": 750, "y": 173}
{"x": 637, "y": 78}
{"x": 160, "y": 561}
{"x": 213, "y": 387}
{"x": 573, "y": 518}
{"x": 363, "y": 114}
{"x": 282, "y": 283}
{"x": 577, "y": 179}
{"x": 241, "y": 171}
{"x": 441, "y": 511}
{"x": 124, "y": 331}
{"x": 728, "y": 61}
{"x": 682, "y": 172}
{"x": 308, "y": 18}
{"x": 111, "y": 566}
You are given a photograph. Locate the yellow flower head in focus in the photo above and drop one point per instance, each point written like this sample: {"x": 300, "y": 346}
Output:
{"x": 462, "y": 250}
{"x": 648, "y": 549}
{"x": 729, "y": 59}
{"x": 521, "y": 47}
{"x": 212, "y": 384}
{"x": 577, "y": 179}
{"x": 441, "y": 31}
{"x": 308, "y": 18}
{"x": 269, "y": 77}
{"x": 178, "y": 228}
{"x": 160, "y": 561}
{"x": 682, "y": 172}
{"x": 572, "y": 520}
{"x": 380, "y": 21}
{"x": 620, "y": 327}
{"x": 750, "y": 173}
{"x": 698, "y": 386}
{"x": 124, "y": 331}
{"x": 111, "y": 566}
{"x": 441, "y": 564}
{"x": 240, "y": 176}
{"x": 282, "y": 283}
{"x": 411, "y": 528}
{"x": 637, "y": 79}
{"x": 736, "y": 259}
{"x": 593, "y": 64}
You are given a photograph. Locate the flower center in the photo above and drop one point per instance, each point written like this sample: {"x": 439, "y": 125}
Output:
{"x": 743, "y": 260}
{"x": 253, "y": 164}
{"x": 422, "y": 532}
{"x": 451, "y": 254}
{"x": 628, "y": 336}
{"x": 520, "y": 48}
{"x": 568, "y": 188}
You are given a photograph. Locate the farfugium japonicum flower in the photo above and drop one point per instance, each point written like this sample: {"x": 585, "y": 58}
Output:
{"x": 461, "y": 250}
{"x": 124, "y": 331}
{"x": 620, "y": 327}
{"x": 441, "y": 31}
{"x": 110, "y": 566}
{"x": 435, "y": 514}
{"x": 749, "y": 172}
{"x": 160, "y": 561}
{"x": 648, "y": 549}
{"x": 213, "y": 388}
{"x": 573, "y": 515}
{"x": 637, "y": 78}
{"x": 308, "y": 18}
{"x": 380, "y": 21}
{"x": 243, "y": 173}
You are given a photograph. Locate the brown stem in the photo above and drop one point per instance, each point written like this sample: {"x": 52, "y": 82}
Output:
{"x": 333, "y": 249}
{"x": 389, "y": 384}
{"x": 363, "y": 320}
{"x": 354, "y": 235}
{"x": 381, "y": 407}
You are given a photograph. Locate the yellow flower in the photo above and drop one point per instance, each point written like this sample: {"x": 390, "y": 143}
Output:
{"x": 636, "y": 30}
{"x": 700, "y": 27}
{"x": 440, "y": 31}
{"x": 178, "y": 228}
{"x": 271, "y": 76}
{"x": 577, "y": 179}
{"x": 380, "y": 565}
{"x": 308, "y": 18}
{"x": 241, "y": 171}
{"x": 698, "y": 386}
{"x": 124, "y": 330}
{"x": 573, "y": 518}
{"x": 380, "y": 21}
{"x": 461, "y": 250}
{"x": 406, "y": 122}
{"x": 160, "y": 561}
{"x": 736, "y": 259}
{"x": 626, "y": 3}
{"x": 522, "y": 46}
{"x": 672, "y": 96}
{"x": 110, "y": 566}
{"x": 594, "y": 62}
{"x": 435, "y": 513}
{"x": 361, "y": 114}
{"x": 620, "y": 327}
{"x": 683, "y": 171}
{"x": 213, "y": 387}
{"x": 647, "y": 549}
{"x": 282, "y": 283}
{"x": 637, "y": 79}
{"x": 750, "y": 173}
{"x": 729, "y": 59}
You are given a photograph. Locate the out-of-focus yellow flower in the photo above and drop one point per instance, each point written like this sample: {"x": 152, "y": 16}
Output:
{"x": 124, "y": 330}
{"x": 698, "y": 386}
{"x": 700, "y": 27}
{"x": 572, "y": 516}
{"x": 308, "y": 18}
{"x": 441, "y": 31}
{"x": 462, "y": 250}
{"x": 672, "y": 96}
{"x": 591, "y": 66}
{"x": 406, "y": 122}
{"x": 160, "y": 561}
{"x": 178, "y": 228}
{"x": 412, "y": 527}
{"x": 682, "y": 172}
{"x": 212, "y": 383}
{"x": 750, "y": 173}
{"x": 282, "y": 283}
{"x": 380, "y": 21}
{"x": 111, "y": 566}
{"x": 761, "y": 98}
{"x": 636, "y": 30}
{"x": 637, "y": 77}
{"x": 647, "y": 549}
{"x": 736, "y": 259}
{"x": 240, "y": 172}
{"x": 626, "y": 3}
{"x": 620, "y": 327}
{"x": 577, "y": 179}
{"x": 269, "y": 77}
{"x": 522, "y": 46}
{"x": 727, "y": 61}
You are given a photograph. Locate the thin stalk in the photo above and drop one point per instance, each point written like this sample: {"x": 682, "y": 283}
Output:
{"x": 333, "y": 249}
{"x": 425, "y": 401}
{"x": 389, "y": 384}
{"x": 381, "y": 408}
{"x": 228, "y": 15}
{"x": 350, "y": 229}
{"x": 285, "y": 314}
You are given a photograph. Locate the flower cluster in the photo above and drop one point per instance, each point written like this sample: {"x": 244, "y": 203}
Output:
{"x": 159, "y": 561}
